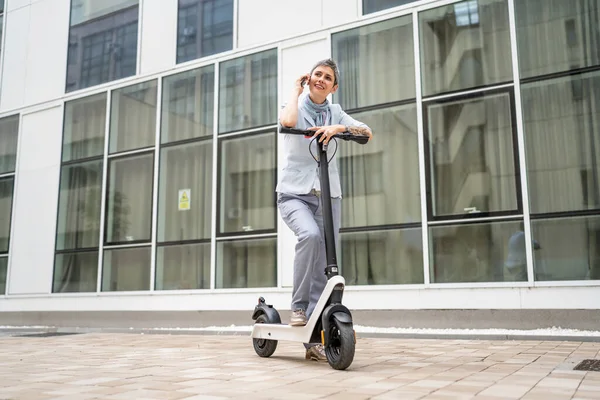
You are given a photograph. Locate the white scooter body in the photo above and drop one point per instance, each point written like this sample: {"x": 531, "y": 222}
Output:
{"x": 298, "y": 333}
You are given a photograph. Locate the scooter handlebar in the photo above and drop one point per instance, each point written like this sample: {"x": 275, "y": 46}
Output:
{"x": 361, "y": 139}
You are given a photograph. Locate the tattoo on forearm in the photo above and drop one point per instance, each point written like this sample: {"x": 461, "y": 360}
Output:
{"x": 358, "y": 130}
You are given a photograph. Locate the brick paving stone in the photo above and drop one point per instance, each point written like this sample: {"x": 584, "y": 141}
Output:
{"x": 136, "y": 366}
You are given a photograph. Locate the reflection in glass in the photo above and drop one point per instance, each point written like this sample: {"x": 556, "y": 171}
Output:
{"x": 569, "y": 248}
{"x": 380, "y": 181}
{"x": 129, "y": 209}
{"x": 472, "y": 159}
{"x": 204, "y": 27}
{"x": 464, "y": 45}
{"x": 3, "y": 274}
{"x": 126, "y": 269}
{"x": 79, "y": 206}
{"x": 248, "y": 92}
{"x": 247, "y": 263}
{"x": 374, "y": 62}
{"x": 557, "y": 35}
{"x": 371, "y": 6}
{"x": 9, "y": 131}
{"x": 187, "y": 166}
{"x": 183, "y": 267}
{"x": 84, "y": 127}
{"x": 382, "y": 257}
{"x": 133, "y": 117}
{"x": 103, "y": 40}
{"x": 6, "y": 197}
{"x": 187, "y": 105}
{"x": 562, "y": 137}
{"x": 248, "y": 174}
{"x": 482, "y": 252}
{"x": 75, "y": 272}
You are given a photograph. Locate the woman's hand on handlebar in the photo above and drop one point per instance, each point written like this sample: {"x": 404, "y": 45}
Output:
{"x": 327, "y": 132}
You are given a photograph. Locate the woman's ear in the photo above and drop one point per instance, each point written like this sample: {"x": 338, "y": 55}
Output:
{"x": 335, "y": 88}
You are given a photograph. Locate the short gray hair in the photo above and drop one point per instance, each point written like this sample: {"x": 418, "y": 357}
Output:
{"x": 331, "y": 64}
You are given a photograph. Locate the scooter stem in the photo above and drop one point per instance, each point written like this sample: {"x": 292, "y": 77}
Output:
{"x": 332, "y": 267}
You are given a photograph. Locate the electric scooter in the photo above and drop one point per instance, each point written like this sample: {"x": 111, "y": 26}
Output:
{"x": 331, "y": 322}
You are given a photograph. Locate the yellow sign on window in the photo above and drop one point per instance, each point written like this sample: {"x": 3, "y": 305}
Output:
{"x": 184, "y": 199}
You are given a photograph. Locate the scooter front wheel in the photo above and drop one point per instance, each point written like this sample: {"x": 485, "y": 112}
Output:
{"x": 340, "y": 352}
{"x": 264, "y": 347}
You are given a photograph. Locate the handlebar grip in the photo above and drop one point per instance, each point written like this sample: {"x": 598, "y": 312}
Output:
{"x": 360, "y": 139}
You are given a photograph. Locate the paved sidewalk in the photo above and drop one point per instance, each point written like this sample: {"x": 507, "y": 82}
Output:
{"x": 135, "y": 366}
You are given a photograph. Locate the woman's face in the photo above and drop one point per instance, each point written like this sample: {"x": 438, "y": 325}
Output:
{"x": 322, "y": 83}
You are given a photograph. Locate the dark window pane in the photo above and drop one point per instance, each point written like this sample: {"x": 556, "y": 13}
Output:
{"x": 3, "y": 273}
{"x": 380, "y": 181}
{"x": 248, "y": 174}
{"x": 247, "y": 263}
{"x": 75, "y": 272}
{"x": 568, "y": 249}
{"x": 464, "y": 45}
{"x": 562, "y": 138}
{"x": 376, "y": 63}
{"x": 79, "y": 206}
{"x": 6, "y": 197}
{"x": 9, "y": 132}
{"x": 188, "y": 105}
{"x": 371, "y": 6}
{"x": 129, "y": 208}
{"x": 557, "y": 35}
{"x": 248, "y": 92}
{"x": 126, "y": 269}
{"x": 382, "y": 257}
{"x": 475, "y": 253}
{"x": 470, "y": 144}
{"x": 183, "y": 267}
{"x": 204, "y": 27}
{"x": 84, "y": 127}
{"x": 133, "y": 117}
{"x": 103, "y": 41}
{"x": 185, "y": 169}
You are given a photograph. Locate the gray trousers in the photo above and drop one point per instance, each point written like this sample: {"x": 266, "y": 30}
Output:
{"x": 303, "y": 214}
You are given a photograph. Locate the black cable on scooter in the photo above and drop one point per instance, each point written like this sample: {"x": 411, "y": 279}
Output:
{"x": 315, "y": 158}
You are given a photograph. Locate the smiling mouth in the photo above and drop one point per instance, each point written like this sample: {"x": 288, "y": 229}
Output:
{"x": 319, "y": 87}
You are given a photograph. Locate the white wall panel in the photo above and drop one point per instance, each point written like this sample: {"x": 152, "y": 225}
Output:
{"x": 262, "y": 21}
{"x": 16, "y": 31}
{"x": 15, "y": 4}
{"x": 47, "y": 51}
{"x": 35, "y": 202}
{"x": 336, "y": 12}
{"x": 159, "y": 35}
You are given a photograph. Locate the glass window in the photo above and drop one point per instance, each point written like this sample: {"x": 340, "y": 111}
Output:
{"x": 126, "y": 269}
{"x": 247, "y": 183}
{"x": 75, "y": 272}
{"x": 566, "y": 249}
{"x": 465, "y": 45}
{"x": 6, "y": 197}
{"x": 371, "y": 6}
{"x": 247, "y": 263}
{"x": 380, "y": 181}
{"x": 185, "y": 170}
{"x": 470, "y": 146}
{"x": 183, "y": 267}
{"x": 133, "y": 117}
{"x": 481, "y": 252}
{"x": 129, "y": 199}
{"x": 562, "y": 139}
{"x": 188, "y": 105}
{"x": 376, "y": 63}
{"x": 3, "y": 274}
{"x": 103, "y": 40}
{"x": 84, "y": 128}
{"x": 9, "y": 131}
{"x": 79, "y": 206}
{"x": 248, "y": 92}
{"x": 204, "y": 27}
{"x": 382, "y": 257}
{"x": 555, "y": 36}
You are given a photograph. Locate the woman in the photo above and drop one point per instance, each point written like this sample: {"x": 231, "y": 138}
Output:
{"x": 299, "y": 190}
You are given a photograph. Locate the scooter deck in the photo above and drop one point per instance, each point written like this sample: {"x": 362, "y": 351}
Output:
{"x": 298, "y": 333}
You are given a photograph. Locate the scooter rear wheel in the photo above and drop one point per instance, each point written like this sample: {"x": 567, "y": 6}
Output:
{"x": 264, "y": 347}
{"x": 340, "y": 352}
